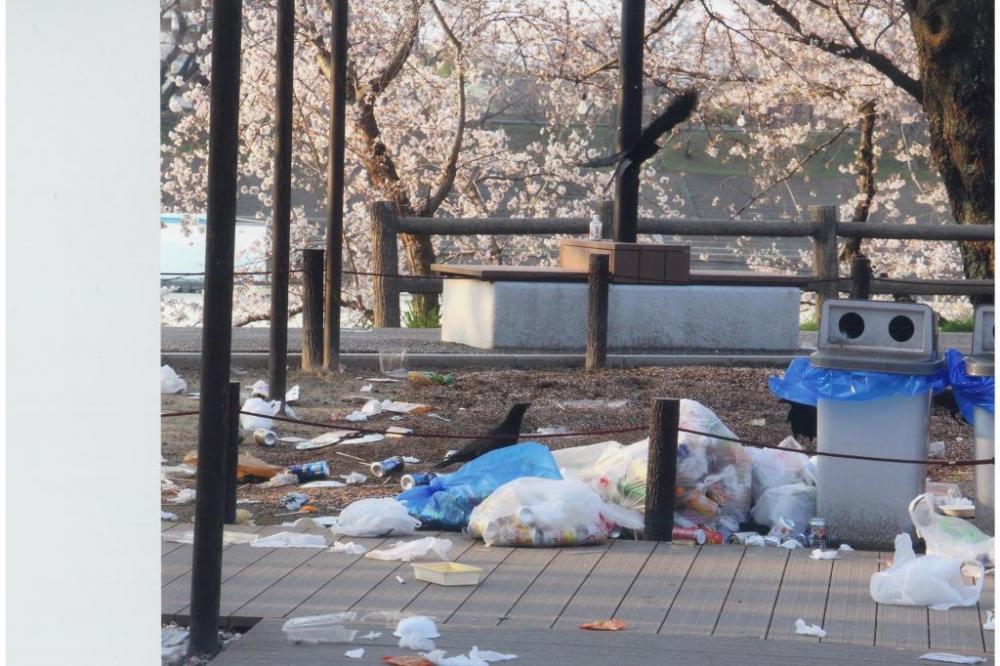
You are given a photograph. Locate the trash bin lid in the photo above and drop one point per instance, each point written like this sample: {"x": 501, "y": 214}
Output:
{"x": 871, "y": 363}
{"x": 979, "y": 366}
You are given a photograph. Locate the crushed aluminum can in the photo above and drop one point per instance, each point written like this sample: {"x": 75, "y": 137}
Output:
{"x": 265, "y": 437}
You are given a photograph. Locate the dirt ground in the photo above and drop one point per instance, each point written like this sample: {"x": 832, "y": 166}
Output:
{"x": 478, "y": 400}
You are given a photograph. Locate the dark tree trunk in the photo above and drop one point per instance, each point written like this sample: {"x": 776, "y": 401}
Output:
{"x": 955, "y": 42}
{"x": 866, "y": 177}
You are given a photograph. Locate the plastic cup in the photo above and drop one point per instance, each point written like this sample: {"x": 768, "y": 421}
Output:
{"x": 392, "y": 362}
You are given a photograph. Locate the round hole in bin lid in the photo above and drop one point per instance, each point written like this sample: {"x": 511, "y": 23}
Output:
{"x": 901, "y": 328}
{"x": 852, "y": 325}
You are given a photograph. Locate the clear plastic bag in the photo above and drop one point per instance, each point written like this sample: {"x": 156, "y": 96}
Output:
{"x": 948, "y": 536}
{"x": 547, "y": 512}
{"x": 773, "y": 467}
{"x": 932, "y": 581}
{"x": 795, "y": 502}
{"x": 372, "y": 517}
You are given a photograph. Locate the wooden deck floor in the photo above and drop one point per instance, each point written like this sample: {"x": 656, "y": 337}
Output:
{"x": 674, "y": 590}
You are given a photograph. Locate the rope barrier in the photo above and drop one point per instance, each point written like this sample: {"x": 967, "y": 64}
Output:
{"x": 169, "y": 414}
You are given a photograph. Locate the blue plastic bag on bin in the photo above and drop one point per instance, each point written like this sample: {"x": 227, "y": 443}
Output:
{"x": 970, "y": 392}
{"x": 806, "y": 384}
{"x": 446, "y": 503}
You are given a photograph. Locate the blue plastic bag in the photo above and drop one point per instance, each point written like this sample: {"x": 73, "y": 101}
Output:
{"x": 446, "y": 503}
{"x": 806, "y": 384}
{"x": 970, "y": 392}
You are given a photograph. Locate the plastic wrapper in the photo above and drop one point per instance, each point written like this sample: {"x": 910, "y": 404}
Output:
{"x": 170, "y": 381}
{"x": 806, "y": 384}
{"x": 372, "y": 517}
{"x": 416, "y": 633}
{"x": 548, "y": 512}
{"x": 948, "y": 536}
{"x": 937, "y": 582}
{"x": 448, "y": 500}
{"x": 407, "y": 551}
{"x": 793, "y": 502}
{"x": 970, "y": 392}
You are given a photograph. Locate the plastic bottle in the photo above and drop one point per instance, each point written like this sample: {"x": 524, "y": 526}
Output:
{"x": 596, "y": 227}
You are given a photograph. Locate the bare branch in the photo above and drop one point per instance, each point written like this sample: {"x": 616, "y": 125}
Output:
{"x": 660, "y": 22}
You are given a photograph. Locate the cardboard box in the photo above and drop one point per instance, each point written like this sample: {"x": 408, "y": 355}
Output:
{"x": 655, "y": 263}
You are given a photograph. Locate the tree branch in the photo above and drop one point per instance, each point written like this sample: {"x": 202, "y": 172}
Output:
{"x": 660, "y": 22}
{"x": 380, "y": 81}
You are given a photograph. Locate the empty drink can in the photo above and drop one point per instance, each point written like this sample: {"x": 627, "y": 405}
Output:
{"x": 695, "y": 534}
{"x": 387, "y": 467}
{"x": 265, "y": 437}
{"x": 416, "y": 479}
{"x": 314, "y": 471}
{"x": 817, "y": 533}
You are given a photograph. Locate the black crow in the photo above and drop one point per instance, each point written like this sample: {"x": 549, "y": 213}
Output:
{"x": 802, "y": 419}
{"x": 503, "y": 435}
{"x": 946, "y": 400}
{"x": 677, "y": 112}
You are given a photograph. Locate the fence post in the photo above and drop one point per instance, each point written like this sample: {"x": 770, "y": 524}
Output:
{"x": 597, "y": 312}
{"x": 861, "y": 276}
{"x": 312, "y": 309}
{"x": 232, "y": 453}
{"x": 825, "y": 260}
{"x": 385, "y": 231}
{"x": 606, "y": 214}
{"x": 661, "y": 470}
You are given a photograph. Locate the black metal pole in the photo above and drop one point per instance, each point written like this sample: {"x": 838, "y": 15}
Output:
{"x": 232, "y": 454}
{"x": 335, "y": 187}
{"x": 626, "y": 220}
{"x": 213, "y": 421}
{"x": 282, "y": 195}
{"x": 661, "y": 472}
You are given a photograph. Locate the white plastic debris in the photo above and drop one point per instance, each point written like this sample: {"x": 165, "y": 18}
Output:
{"x": 316, "y": 629}
{"x": 185, "y": 496}
{"x": 844, "y": 548}
{"x": 356, "y": 417}
{"x": 935, "y": 450}
{"x": 259, "y": 406}
{"x": 396, "y": 432}
{"x": 411, "y": 460}
{"x": 757, "y": 423}
{"x": 988, "y": 625}
{"x": 371, "y": 635}
{"x": 476, "y": 657}
{"x": 259, "y": 389}
{"x": 326, "y": 439}
{"x": 407, "y": 551}
{"x": 349, "y": 547}
{"x": 293, "y": 394}
{"x": 948, "y": 536}
{"x": 290, "y": 540}
{"x": 170, "y": 381}
{"x": 400, "y": 580}
{"x": 804, "y": 629}
{"x": 375, "y": 516}
{"x": 166, "y": 515}
{"x": 173, "y": 645}
{"x": 355, "y": 654}
{"x": 228, "y": 537}
{"x": 281, "y": 479}
{"x": 820, "y": 554}
{"x": 552, "y": 430}
{"x": 354, "y": 478}
{"x": 415, "y": 633}
{"x": 949, "y": 658}
{"x": 367, "y": 388}
{"x": 790, "y": 544}
{"x": 933, "y": 581}
{"x": 182, "y": 471}
{"x": 324, "y": 483}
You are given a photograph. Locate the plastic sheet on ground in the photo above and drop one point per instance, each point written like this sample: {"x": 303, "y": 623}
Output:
{"x": 970, "y": 392}
{"x": 476, "y": 657}
{"x": 948, "y": 536}
{"x": 805, "y": 383}
{"x": 407, "y": 551}
{"x": 290, "y": 540}
{"x": 548, "y": 512}
{"x": 949, "y": 658}
{"x": 228, "y": 537}
{"x": 448, "y": 500}
{"x": 932, "y": 581}
{"x": 375, "y": 516}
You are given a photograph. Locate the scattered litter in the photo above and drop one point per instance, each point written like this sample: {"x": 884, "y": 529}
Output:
{"x": 247, "y": 465}
{"x": 988, "y": 625}
{"x": 244, "y": 517}
{"x": 552, "y": 430}
{"x": 371, "y": 635}
{"x": 415, "y": 633}
{"x": 400, "y": 580}
{"x": 930, "y": 580}
{"x": 397, "y": 417}
{"x": 438, "y": 417}
{"x": 935, "y": 450}
{"x": 757, "y": 423}
{"x": 291, "y": 540}
{"x": 168, "y": 486}
{"x": 279, "y": 480}
{"x": 791, "y": 544}
{"x": 228, "y": 537}
{"x": 427, "y": 378}
{"x": 367, "y": 388}
{"x": 355, "y": 654}
{"x": 182, "y": 471}
{"x": 411, "y": 460}
{"x": 949, "y": 658}
{"x": 407, "y": 551}
{"x": 173, "y": 643}
{"x": 604, "y": 625}
{"x": 844, "y": 548}
{"x": 259, "y": 406}
{"x": 476, "y": 657}
{"x": 446, "y": 573}
{"x": 294, "y": 501}
{"x": 166, "y": 515}
{"x": 820, "y": 554}
{"x": 185, "y": 496}
{"x": 406, "y": 660}
{"x": 170, "y": 381}
{"x": 326, "y": 439}
{"x": 395, "y": 432}
{"x": 804, "y": 629}
{"x": 293, "y": 394}
{"x": 323, "y": 483}
{"x": 375, "y": 516}
{"x": 948, "y": 536}
{"x": 265, "y": 438}
{"x": 311, "y": 471}
{"x": 356, "y": 417}
{"x": 368, "y": 438}
{"x": 316, "y": 629}
{"x": 383, "y": 380}
{"x": 354, "y": 478}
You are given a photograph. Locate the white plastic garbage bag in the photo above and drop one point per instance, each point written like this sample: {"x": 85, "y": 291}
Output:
{"x": 375, "y": 516}
{"x": 259, "y": 406}
{"x": 580, "y": 462}
{"x": 407, "y": 551}
{"x": 415, "y": 633}
{"x": 932, "y": 581}
{"x": 796, "y": 502}
{"x": 532, "y": 511}
{"x": 170, "y": 381}
{"x": 948, "y": 536}
{"x": 773, "y": 467}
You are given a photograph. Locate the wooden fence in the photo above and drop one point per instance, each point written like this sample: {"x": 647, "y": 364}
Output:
{"x": 824, "y": 229}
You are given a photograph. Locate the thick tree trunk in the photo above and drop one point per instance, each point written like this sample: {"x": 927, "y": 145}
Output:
{"x": 955, "y": 42}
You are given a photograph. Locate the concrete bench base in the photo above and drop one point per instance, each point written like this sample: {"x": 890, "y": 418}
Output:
{"x": 546, "y": 315}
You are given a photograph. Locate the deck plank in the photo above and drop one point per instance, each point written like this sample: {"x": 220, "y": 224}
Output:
{"x": 850, "y": 610}
{"x": 901, "y": 626}
{"x": 646, "y": 603}
{"x": 803, "y": 594}
{"x": 554, "y": 588}
{"x": 986, "y": 604}
{"x": 750, "y": 603}
{"x": 956, "y": 630}
{"x": 699, "y": 602}
{"x": 605, "y": 588}
{"x": 440, "y": 601}
{"x": 498, "y": 593}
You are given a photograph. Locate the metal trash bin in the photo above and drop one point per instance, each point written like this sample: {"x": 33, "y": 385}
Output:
{"x": 865, "y": 503}
{"x": 980, "y": 364}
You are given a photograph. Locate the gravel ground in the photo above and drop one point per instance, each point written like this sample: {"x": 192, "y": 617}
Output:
{"x": 479, "y": 399}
